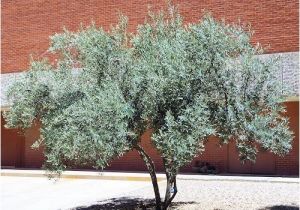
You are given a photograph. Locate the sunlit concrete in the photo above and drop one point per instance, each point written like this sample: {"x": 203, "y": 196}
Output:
{"x": 36, "y": 193}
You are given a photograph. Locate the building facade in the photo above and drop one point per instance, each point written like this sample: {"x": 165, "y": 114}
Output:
{"x": 27, "y": 25}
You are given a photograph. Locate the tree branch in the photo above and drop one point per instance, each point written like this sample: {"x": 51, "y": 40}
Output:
{"x": 151, "y": 168}
{"x": 168, "y": 198}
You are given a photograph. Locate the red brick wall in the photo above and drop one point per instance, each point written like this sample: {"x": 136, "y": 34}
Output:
{"x": 12, "y": 147}
{"x": 26, "y": 25}
{"x": 132, "y": 161}
{"x": 215, "y": 154}
{"x": 225, "y": 158}
{"x": 33, "y": 158}
{"x": 286, "y": 165}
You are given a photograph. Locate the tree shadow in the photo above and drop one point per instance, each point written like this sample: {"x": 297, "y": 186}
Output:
{"x": 126, "y": 203}
{"x": 281, "y": 207}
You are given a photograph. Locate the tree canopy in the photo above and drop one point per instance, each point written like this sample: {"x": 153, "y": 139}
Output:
{"x": 185, "y": 82}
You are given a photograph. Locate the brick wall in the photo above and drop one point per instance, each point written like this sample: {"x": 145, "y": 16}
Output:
{"x": 225, "y": 158}
{"x": 286, "y": 165}
{"x": 33, "y": 158}
{"x": 12, "y": 146}
{"x": 132, "y": 161}
{"x": 26, "y": 25}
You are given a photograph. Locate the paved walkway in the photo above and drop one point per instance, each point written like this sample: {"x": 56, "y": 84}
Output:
{"x": 40, "y": 193}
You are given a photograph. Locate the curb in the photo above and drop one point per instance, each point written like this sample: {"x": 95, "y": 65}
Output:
{"x": 121, "y": 176}
{"x": 83, "y": 175}
{"x": 235, "y": 178}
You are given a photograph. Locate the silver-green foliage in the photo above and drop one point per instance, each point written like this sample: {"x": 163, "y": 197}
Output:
{"x": 186, "y": 82}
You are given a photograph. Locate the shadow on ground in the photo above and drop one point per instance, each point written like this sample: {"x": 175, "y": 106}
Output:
{"x": 281, "y": 207}
{"x": 126, "y": 203}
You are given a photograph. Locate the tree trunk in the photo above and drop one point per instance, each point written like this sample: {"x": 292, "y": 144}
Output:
{"x": 171, "y": 182}
{"x": 168, "y": 189}
{"x": 151, "y": 168}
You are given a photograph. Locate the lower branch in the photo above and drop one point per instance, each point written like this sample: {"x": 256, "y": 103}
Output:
{"x": 171, "y": 183}
{"x": 151, "y": 168}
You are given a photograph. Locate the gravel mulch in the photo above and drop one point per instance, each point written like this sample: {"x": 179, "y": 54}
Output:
{"x": 213, "y": 195}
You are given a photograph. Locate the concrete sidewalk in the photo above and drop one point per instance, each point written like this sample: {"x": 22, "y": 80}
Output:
{"x": 141, "y": 176}
{"x": 40, "y": 193}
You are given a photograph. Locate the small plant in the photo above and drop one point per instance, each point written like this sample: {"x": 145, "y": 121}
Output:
{"x": 205, "y": 168}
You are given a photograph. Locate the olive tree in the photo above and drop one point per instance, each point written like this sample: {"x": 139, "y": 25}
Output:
{"x": 184, "y": 82}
